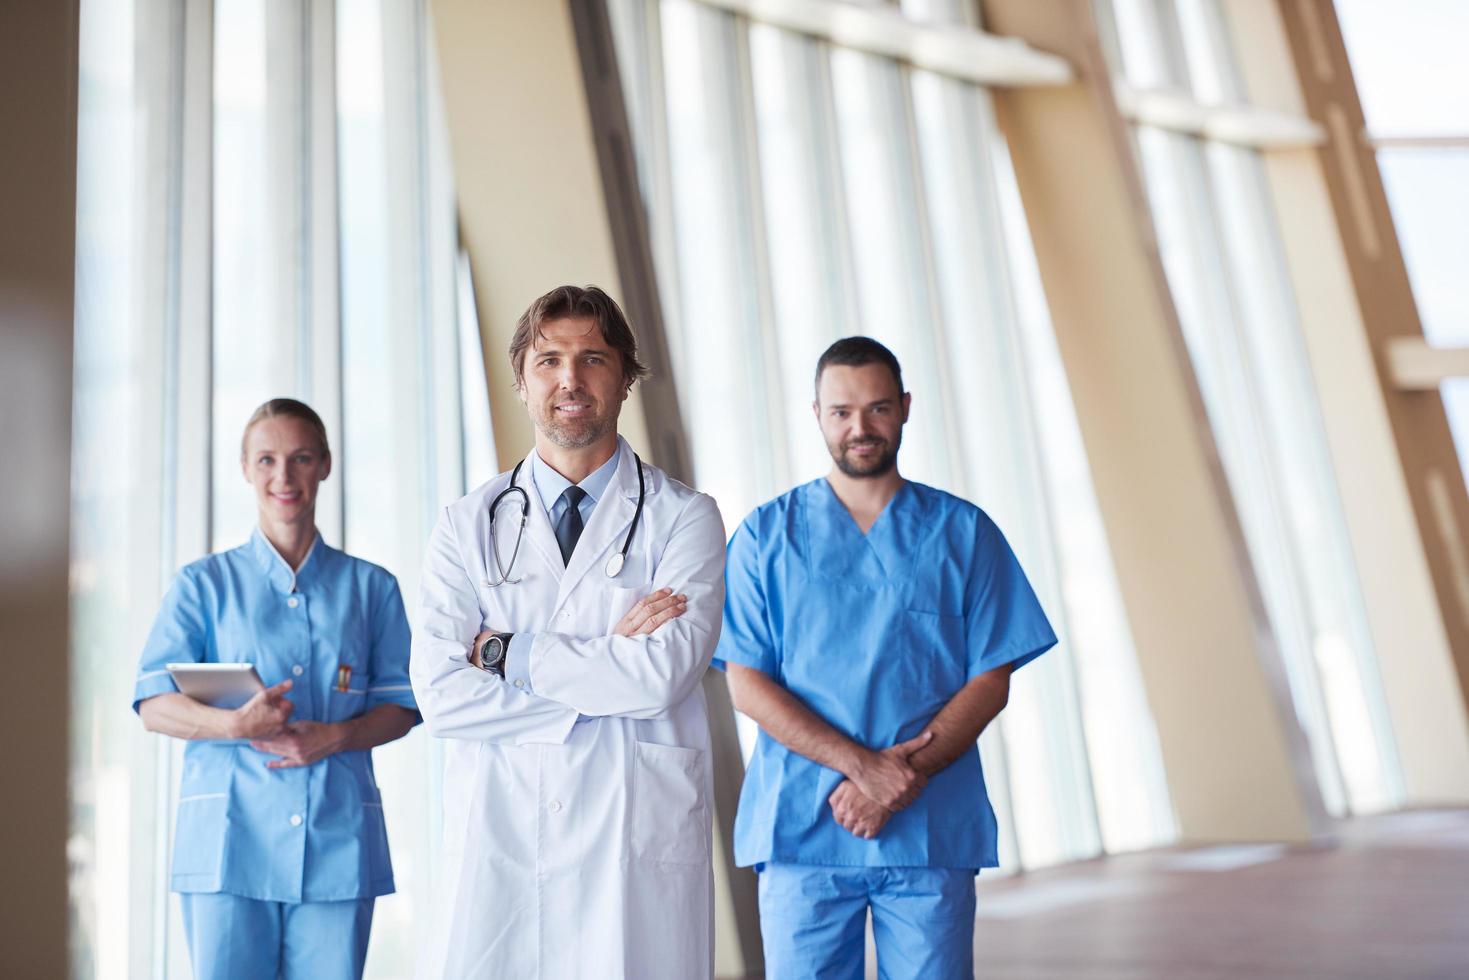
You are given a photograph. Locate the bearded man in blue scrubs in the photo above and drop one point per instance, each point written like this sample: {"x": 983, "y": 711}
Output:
{"x": 871, "y": 625}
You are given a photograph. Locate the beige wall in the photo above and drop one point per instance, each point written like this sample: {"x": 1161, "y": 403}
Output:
{"x": 38, "y": 117}
{"x": 531, "y": 210}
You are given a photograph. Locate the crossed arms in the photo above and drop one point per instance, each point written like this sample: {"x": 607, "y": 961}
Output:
{"x": 646, "y": 666}
{"x": 879, "y": 782}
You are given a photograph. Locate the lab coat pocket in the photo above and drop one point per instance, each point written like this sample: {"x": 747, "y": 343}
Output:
{"x": 620, "y": 601}
{"x": 670, "y": 816}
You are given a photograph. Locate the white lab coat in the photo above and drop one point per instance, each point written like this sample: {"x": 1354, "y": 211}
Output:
{"x": 573, "y": 850}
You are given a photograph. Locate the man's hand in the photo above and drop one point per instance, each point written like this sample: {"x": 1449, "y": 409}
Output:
{"x": 887, "y": 778}
{"x": 856, "y": 812}
{"x": 264, "y": 715}
{"x": 645, "y": 616}
{"x": 301, "y": 744}
{"x": 651, "y": 612}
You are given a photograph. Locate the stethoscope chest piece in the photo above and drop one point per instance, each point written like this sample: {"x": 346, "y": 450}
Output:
{"x": 615, "y": 563}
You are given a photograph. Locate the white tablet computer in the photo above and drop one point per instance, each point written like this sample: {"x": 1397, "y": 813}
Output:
{"x": 220, "y": 685}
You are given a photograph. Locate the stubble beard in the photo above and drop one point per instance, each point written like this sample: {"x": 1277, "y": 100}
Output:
{"x": 880, "y": 465}
{"x": 575, "y": 433}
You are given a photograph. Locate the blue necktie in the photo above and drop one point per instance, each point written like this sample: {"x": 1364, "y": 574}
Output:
{"x": 569, "y": 526}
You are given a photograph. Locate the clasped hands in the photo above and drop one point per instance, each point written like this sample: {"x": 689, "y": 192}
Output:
{"x": 645, "y": 616}
{"x": 878, "y": 785}
{"x": 266, "y": 721}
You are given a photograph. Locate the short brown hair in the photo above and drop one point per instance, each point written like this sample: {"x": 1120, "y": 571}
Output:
{"x": 576, "y": 303}
{"x": 855, "y": 352}
{"x": 287, "y": 408}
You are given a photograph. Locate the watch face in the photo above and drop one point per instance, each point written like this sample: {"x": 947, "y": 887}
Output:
{"x": 494, "y": 651}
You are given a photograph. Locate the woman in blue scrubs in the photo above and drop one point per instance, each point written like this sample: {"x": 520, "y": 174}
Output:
{"x": 280, "y": 848}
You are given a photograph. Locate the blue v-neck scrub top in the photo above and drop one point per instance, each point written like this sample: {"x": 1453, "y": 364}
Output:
{"x": 310, "y": 834}
{"x": 875, "y": 633}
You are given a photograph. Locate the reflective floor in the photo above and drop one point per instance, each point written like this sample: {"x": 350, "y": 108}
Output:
{"x": 1390, "y": 900}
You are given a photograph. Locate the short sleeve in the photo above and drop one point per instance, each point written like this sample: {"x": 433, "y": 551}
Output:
{"x": 1003, "y": 619}
{"x": 745, "y": 638}
{"x": 389, "y": 683}
{"x": 179, "y": 635}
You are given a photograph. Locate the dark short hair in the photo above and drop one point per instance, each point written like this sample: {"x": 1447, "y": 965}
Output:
{"x": 855, "y": 352}
{"x": 287, "y": 408}
{"x": 576, "y": 303}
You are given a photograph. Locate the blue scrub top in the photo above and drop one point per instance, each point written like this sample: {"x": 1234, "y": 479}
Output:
{"x": 313, "y": 834}
{"x": 874, "y": 633}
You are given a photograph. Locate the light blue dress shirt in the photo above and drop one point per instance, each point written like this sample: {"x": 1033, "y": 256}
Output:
{"x": 313, "y": 834}
{"x": 550, "y": 486}
{"x": 875, "y": 633}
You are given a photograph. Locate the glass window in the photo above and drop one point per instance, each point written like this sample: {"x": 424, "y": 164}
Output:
{"x": 1223, "y": 258}
{"x": 895, "y": 291}
{"x": 405, "y": 365}
{"x": 410, "y": 399}
{"x": 1408, "y": 61}
{"x": 1411, "y": 77}
{"x": 811, "y": 261}
{"x": 1124, "y": 756}
{"x": 1428, "y": 191}
{"x": 723, "y": 292}
{"x": 259, "y": 235}
{"x": 118, "y": 481}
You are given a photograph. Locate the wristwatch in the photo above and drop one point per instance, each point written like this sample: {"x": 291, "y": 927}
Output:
{"x": 492, "y": 653}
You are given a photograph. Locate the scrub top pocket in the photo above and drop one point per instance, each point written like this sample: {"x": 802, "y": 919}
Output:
{"x": 931, "y": 657}
{"x": 343, "y": 705}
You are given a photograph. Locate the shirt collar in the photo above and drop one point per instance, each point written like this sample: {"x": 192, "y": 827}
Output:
{"x": 278, "y": 571}
{"x": 551, "y": 485}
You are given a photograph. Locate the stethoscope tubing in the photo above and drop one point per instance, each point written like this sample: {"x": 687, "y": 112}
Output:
{"x": 492, "y": 549}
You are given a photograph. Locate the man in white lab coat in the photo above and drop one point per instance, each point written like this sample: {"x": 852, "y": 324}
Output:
{"x": 566, "y": 684}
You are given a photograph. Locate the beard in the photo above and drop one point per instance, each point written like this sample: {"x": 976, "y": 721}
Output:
{"x": 574, "y": 433}
{"x": 877, "y": 465}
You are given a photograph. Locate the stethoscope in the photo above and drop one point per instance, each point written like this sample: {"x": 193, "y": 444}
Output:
{"x": 614, "y": 564}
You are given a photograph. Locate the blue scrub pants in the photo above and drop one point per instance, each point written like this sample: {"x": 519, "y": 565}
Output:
{"x": 234, "y": 938}
{"x": 813, "y": 919}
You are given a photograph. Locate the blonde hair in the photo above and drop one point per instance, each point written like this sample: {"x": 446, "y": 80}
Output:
{"x": 287, "y": 408}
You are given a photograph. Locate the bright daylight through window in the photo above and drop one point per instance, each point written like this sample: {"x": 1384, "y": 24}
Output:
{"x": 250, "y": 225}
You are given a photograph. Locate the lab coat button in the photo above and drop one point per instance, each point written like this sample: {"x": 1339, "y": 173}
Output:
{"x": 519, "y": 682}
{"x": 298, "y": 670}
{"x": 295, "y": 820}
{"x": 555, "y": 806}
{"x": 293, "y": 602}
